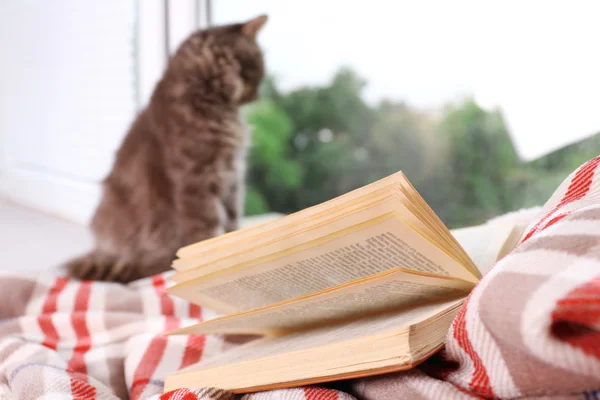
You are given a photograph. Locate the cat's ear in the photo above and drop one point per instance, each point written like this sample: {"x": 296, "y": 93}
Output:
{"x": 252, "y": 27}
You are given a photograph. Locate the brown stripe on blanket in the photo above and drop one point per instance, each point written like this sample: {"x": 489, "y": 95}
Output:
{"x": 8, "y": 347}
{"x": 212, "y": 394}
{"x": 116, "y": 320}
{"x": 592, "y": 213}
{"x": 116, "y": 377}
{"x": 577, "y": 245}
{"x": 397, "y": 386}
{"x": 122, "y": 298}
{"x": 10, "y": 327}
{"x": 16, "y": 293}
{"x": 561, "y": 397}
{"x": 501, "y": 309}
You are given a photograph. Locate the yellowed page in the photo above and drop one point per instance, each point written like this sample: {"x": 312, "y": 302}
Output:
{"x": 392, "y": 203}
{"x": 390, "y": 198}
{"x": 383, "y": 343}
{"x": 299, "y": 216}
{"x": 419, "y": 207}
{"x": 216, "y": 257}
{"x": 366, "y": 249}
{"x": 315, "y": 227}
{"x": 329, "y": 334}
{"x": 396, "y": 289}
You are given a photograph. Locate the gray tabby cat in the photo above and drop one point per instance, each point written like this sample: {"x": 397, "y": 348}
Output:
{"x": 178, "y": 176}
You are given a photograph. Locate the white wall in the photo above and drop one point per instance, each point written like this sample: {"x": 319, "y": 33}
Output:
{"x": 68, "y": 95}
{"x": 72, "y": 77}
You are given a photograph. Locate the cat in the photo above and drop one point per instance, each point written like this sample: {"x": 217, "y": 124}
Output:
{"x": 178, "y": 177}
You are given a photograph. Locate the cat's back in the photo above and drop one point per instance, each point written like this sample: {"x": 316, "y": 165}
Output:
{"x": 139, "y": 167}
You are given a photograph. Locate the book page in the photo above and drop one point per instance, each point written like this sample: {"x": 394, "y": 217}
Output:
{"x": 320, "y": 224}
{"x": 348, "y": 219}
{"x": 417, "y": 205}
{"x": 326, "y": 335}
{"x": 295, "y": 234}
{"x": 309, "y": 213}
{"x": 396, "y": 289}
{"x": 366, "y": 249}
{"x": 419, "y": 215}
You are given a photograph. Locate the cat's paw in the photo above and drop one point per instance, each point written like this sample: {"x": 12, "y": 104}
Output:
{"x": 81, "y": 268}
{"x": 91, "y": 267}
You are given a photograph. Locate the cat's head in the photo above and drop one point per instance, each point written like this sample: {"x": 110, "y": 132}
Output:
{"x": 223, "y": 64}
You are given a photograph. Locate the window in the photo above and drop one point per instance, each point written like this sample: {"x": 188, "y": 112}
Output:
{"x": 486, "y": 106}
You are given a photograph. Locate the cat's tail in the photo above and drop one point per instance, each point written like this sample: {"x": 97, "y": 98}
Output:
{"x": 98, "y": 266}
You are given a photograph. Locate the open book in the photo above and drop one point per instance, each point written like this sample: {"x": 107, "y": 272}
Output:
{"x": 363, "y": 284}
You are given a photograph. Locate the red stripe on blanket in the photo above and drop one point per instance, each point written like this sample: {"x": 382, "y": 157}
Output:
{"x": 317, "y": 393}
{"x": 195, "y": 343}
{"x": 82, "y": 299}
{"x": 576, "y": 318}
{"x": 195, "y": 311}
{"x": 147, "y": 366}
{"x": 80, "y": 389}
{"x": 555, "y": 220}
{"x": 49, "y": 308}
{"x": 480, "y": 381}
{"x": 167, "y": 307}
{"x": 154, "y": 353}
{"x": 579, "y": 186}
{"x": 179, "y": 394}
{"x": 194, "y": 349}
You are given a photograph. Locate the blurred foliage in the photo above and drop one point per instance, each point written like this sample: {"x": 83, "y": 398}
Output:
{"x": 273, "y": 172}
{"x": 315, "y": 143}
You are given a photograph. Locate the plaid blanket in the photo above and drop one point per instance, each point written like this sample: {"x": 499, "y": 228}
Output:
{"x": 530, "y": 329}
